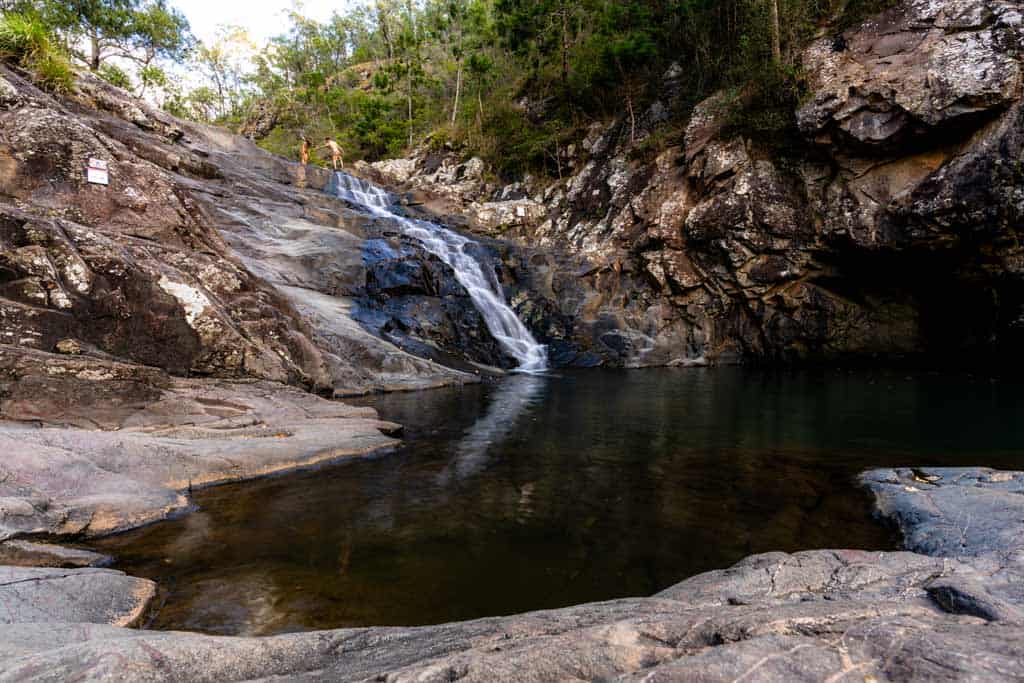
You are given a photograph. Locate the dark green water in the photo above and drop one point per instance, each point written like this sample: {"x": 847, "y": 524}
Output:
{"x": 543, "y": 492}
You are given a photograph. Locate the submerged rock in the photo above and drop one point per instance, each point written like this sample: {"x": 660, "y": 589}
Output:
{"x": 17, "y": 553}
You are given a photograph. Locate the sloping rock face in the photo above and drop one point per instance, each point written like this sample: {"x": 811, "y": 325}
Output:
{"x": 187, "y": 261}
{"x": 810, "y": 616}
{"x": 175, "y": 327}
{"x": 411, "y": 299}
{"x": 890, "y": 229}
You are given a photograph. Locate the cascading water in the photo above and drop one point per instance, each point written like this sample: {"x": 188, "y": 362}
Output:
{"x": 450, "y": 247}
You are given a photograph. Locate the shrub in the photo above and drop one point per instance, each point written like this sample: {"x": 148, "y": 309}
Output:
{"x": 764, "y": 109}
{"x": 53, "y": 72}
{"x": 115, "y": 76}
{"x": 25, "y": 41}
{"x": 22, "y": 37}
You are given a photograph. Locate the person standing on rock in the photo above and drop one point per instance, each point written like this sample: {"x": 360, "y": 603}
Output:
{"x": 336, "y": 152}
{"x": 304, "y": 150}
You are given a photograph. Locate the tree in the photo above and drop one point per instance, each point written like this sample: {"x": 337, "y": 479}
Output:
{"x": 542, "y": 31}
{"x": 481, "y": 72}
{"x": 446, "y": 22}
{"x": 407, "y": 64}
{"x": 224, "y": 64}
{"x": 385, "y": 11}
{"x": 202, "y": 104}
{"x": 151, "y": 76}
{"x": 157, "y": 31}
{"x": 461, "y": 29}
{"x": 775, "y": 30}
{"x": 627, "y": 49}
{"x": 140, "y": 30}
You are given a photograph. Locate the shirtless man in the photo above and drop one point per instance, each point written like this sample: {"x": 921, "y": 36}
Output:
{"x": 335, "y": 152}
{"x": 304, "y": 150}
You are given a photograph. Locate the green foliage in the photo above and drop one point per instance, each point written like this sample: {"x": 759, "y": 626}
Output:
{"x": 514, "y": 144}
{"x": 25, "y": 40}
{"x": 53, "y": 72}
{"x": 157, "y": 30}
{"x": 856, "y": 11}
{"x": 280, "y": 141}
{"x": 96, "y": 30}
{"x": 516, "y": 80}
{"x": 763, "y": 109}
{"x": 376, "y": 127}
{"x": 153, "y": 76}
{"x": 650, "y": 147}
{"x": 223, "y": 62}
{"x": 114, "y": 75}
{"x": 22, "y": 36}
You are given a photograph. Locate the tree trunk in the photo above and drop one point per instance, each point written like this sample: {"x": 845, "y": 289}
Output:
{"x": 479, "y": 111}
{"x": 776, "y": 32}
{"x": 565, "y": 46}
{"x": 632, "y": 114}
{"x": 458, "y": 90}
{"x": 382, "y": 19}
{"x": 94, "y": 55}
{"x": 409, "y": 100}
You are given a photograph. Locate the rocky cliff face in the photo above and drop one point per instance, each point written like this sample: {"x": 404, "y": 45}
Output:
{"x": 889, "y": 230}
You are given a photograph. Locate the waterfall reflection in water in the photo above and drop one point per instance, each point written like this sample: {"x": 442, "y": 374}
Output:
{"x": 514, "y": 395}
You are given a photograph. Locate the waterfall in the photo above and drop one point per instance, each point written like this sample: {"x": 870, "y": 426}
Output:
{"x": 452, "y": 248}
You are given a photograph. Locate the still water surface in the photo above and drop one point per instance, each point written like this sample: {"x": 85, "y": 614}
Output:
{"x": 539, "y": 492}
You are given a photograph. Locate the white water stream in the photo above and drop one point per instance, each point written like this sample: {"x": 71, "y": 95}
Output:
{"x": 479, "y": 282}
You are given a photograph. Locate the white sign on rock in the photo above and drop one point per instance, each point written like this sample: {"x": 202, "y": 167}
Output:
{"x": 97, "y": 172}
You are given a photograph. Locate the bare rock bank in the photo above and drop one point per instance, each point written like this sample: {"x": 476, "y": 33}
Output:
{"x": 952, "y": 610}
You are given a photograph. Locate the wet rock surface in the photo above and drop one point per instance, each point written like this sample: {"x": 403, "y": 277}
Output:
{"x": 811, "y": 615}
{"x": 895, "y": 212}
{"x": 19, "y": 553}
{"x": 412, "y": 299}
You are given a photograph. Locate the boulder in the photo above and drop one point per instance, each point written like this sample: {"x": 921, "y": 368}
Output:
{"x": 917, "y": 69}
{"x": 32, "y": 595}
